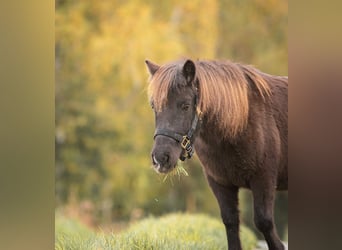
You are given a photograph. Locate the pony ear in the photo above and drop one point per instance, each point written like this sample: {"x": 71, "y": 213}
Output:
{"x": 152, "y": 67}
{"x": 189, "y": 70}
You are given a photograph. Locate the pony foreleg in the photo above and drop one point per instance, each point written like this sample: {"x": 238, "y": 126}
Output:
{"x": 227, "y": 198}
{"x": 263, "y": 198}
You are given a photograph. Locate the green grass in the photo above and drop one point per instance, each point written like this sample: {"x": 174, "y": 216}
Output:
{"x": 174, "y": 231}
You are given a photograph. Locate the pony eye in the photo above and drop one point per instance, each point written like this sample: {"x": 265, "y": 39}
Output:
{"x": 152, "y": 105}
{"x": 185, "y": 107}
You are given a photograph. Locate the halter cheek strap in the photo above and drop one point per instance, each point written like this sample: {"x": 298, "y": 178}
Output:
{"x": 186, "y": 141}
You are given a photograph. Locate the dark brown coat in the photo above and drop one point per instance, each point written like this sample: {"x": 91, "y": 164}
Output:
{"x": 242, "y": 140}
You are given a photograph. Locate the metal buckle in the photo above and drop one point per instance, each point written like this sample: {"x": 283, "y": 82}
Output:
{"x": 185, "y": 142}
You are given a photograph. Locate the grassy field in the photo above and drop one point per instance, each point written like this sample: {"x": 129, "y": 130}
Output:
{"x": 174, "y": 231}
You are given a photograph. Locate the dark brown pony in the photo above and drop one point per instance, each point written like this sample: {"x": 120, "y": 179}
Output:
{"x": 235, "y": 117}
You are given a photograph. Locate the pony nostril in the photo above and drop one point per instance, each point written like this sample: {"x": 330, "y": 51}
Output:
{"x": 160, "y": 159}
{"x": 154, "y": 160}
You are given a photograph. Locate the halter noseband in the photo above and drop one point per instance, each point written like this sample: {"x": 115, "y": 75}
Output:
{"x": 186, "y": 141}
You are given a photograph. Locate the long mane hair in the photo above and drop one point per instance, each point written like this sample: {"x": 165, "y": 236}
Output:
{"x": 223, "y": 90}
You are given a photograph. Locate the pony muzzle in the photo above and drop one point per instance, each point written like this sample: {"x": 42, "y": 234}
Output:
{"x": 161, "y": 162}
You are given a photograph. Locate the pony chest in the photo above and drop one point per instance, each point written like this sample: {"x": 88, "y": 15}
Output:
{"x": 225, "y": 165}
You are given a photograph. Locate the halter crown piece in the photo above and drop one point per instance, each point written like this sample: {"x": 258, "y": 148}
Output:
{"x": 186, "y": 141}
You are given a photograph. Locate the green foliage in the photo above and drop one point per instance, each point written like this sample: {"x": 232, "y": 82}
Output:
{"x": 104, "y": 125}
{"x": 174, "y": 231}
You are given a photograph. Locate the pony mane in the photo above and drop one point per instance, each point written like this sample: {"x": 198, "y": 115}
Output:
{"x": 223, "y": 91}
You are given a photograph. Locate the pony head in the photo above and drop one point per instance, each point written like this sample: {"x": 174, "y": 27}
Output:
{"x": 173, "y": 97}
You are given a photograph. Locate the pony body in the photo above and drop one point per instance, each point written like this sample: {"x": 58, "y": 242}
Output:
{"x": 242, "y": 140}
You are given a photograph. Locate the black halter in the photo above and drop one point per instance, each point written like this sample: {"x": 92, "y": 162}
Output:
{"x": 186, "y": 141}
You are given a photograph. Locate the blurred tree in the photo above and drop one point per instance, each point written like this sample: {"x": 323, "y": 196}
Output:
{"x": 254, "y": 32}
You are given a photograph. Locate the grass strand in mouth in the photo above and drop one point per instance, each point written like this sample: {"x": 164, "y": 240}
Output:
{"x": 178, "y": 170}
